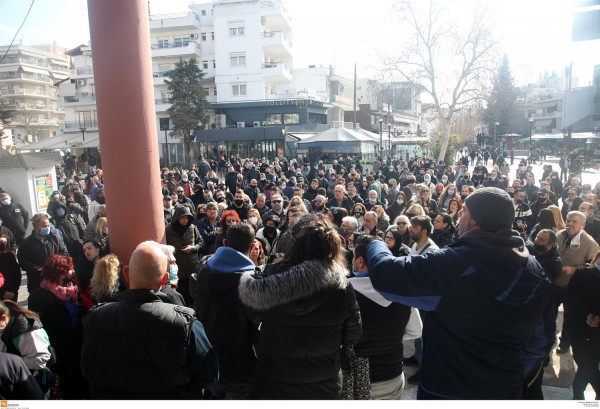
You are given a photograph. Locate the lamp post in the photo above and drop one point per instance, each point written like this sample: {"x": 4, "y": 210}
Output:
{"x": 496, "y": 124}
{"x": 531, "y": 122}
{"x": 390, "y": 140}
{"x": 83, "y": 129}
{"x": 381, "y": 137}
{"x": 264, "y": 146}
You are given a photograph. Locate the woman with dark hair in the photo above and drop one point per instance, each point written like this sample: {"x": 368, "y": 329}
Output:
{"x": 443, "y": 230}
{"x": 545, "y": 221}
{"x": 336, "y": 214}
{"x": 454, "y": 207}
{"x": 398, "y": 207}
{"x": 358, "y": 212}
{"x": 307, "y": 309}
{"x": 393, "y": 239}
{"x": 84, "y": 270}
{"x": 59, "y": 307}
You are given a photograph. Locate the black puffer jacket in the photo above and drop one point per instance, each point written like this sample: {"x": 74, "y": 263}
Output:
{"x": 180, "y": 236}
{"x": 306, "y": 312}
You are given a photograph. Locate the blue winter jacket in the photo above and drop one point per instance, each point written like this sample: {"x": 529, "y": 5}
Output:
{"x": 484, "y": 297}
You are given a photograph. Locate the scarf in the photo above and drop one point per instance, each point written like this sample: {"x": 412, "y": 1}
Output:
{"x": 64, "y": 293}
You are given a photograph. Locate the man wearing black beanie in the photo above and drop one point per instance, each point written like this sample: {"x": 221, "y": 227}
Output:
{"x": 484, "y": 298}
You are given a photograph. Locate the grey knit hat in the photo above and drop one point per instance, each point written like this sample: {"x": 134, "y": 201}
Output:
{"x": 491, "y": 208}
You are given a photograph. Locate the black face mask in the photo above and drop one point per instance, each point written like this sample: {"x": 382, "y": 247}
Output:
{"x": 539, "y": 249}
{"x": 3, "y": 246}
{"x": 219, "y": 199}
{"x": 269, "y": 230}
{"x": 238, "y": 202}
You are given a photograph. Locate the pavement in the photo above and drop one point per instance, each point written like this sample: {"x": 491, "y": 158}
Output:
{"x": 558, "y": 377}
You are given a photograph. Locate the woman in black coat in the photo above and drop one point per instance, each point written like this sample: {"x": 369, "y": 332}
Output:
{"x": 60, "y": 310}
{"x": 398, "y": 207}
{"x": 582, "y": 320}
{"x": 443, "y": 230}
{"x": 307, "y": 309}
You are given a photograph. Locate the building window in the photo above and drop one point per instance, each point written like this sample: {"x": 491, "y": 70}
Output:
{"x": 206, "y": 91}
{"x": 163, "y": 42}
{"x": 215, "y": 91}
{"x": 236, "y": 29}
{"x": 317, "y": 118}
{"x": 203, "y": 12}
{"x": 273, "y": 119}
{"x": 212, "y": 36}
{"x": 290, "y": 119}
{"x": 237, "y": 60}
{"x": 182, "y": 41}
{"x": 238, "y": 90}
{"x": 205, "y": 64}
{"x": 203, "y": 36}
{"x": 214, "y": 64}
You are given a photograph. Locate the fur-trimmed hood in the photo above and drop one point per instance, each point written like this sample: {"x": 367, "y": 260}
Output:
{"x": 296, "y": 283}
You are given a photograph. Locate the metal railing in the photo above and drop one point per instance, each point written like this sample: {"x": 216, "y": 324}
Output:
{"x": 79, "y": 98}
{"x": 76, "y": 124}
{"x": 85, "y": 71}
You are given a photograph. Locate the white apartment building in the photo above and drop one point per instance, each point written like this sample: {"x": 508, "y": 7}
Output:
{"x": 28, "y": 85}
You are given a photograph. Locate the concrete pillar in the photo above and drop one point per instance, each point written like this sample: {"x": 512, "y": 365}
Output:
{"x": 127, "y": 122}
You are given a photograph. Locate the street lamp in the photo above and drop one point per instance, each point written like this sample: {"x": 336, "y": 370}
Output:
{"x": 164, "y": 126}
{"x": 531, "y": 122}
{"x": 390, "y": 140}
{"x": 381, "y": 137}
{"x": 495, "y": 132}
{"x": 83, "y": 129}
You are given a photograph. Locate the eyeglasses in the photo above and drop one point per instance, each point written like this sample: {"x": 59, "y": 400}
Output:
{"x": 389, "y": 238}
{"x": 180, "y": 191}
{"x": 275, "y": 201}
{"x": 229, "y": 220}
{"x": 402, "y": 223}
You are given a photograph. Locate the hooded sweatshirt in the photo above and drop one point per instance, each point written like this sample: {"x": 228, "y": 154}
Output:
{"x": 180, "y": 236}
{"x": 225, "y": 320}
{"x": 484, "y": 296}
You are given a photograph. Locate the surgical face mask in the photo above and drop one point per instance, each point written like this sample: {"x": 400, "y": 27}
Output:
{"x": 184, "y": 180}
{"x": 60, "y": 212}
{"x": 451, "y": 191}
{"x": 253, "y": 219}
{"x": 372, "y": 200}
{"x": 277, "y": 207}
{"x": 56, "y": 196}
{"x": 45, "y": 231}
{"x": 400, "y": 202}
{"x": 6, "y": 202}
{"x": 444, "y": 180}
{"x": 493, "y": 177}
{"x": 427, "y": 180}
{"x": 173, "y": 269}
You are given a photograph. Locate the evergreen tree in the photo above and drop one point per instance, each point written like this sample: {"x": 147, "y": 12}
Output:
{"x": 5, "y": 115}
{"x": 188, "y": 103}
{"x": 501, "y": 102}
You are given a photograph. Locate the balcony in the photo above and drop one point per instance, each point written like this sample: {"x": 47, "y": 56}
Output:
{"x": 90, "y": 125}
{"x": 160, "y": 77}
{"x": 25, "y": 77}
{"x": 276, "y": 44}
{"x": 276, "y": 71}
{"x": 179, "y": 21}
{"x": 162, "y": 104}
{"x": 178, "y": 49}
{"x": 24, "y": 92}
{"x": 83, "y": 99}
{"x": 20, "y": 106}
{"x": 85, "y": 71}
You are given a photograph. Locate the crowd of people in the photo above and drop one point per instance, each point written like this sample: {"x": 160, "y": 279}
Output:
{"x": 293, "y": 279}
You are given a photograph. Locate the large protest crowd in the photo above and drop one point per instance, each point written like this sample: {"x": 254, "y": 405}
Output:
{"x": 294, "y": 279}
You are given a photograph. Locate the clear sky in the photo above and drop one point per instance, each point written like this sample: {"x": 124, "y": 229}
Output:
{"x": 536, "y": 33}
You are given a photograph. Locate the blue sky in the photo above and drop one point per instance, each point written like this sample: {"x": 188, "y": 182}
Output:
{"x": 536, "y": 33}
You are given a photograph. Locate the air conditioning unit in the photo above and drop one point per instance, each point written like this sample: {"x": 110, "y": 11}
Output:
{"x": 80, "y": 82}
{"x": 241, "y": 124}
{"x": 220, "y": 121}
{"x": 256, "y": 124}
{"x": 194, "y": 36}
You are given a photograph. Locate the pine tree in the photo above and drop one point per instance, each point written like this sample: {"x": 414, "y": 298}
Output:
{"x": 501, "y": 101}
{"x": 188, "y": 103}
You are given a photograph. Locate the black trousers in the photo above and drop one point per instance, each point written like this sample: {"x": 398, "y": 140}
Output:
{"x": 586, "y": 352}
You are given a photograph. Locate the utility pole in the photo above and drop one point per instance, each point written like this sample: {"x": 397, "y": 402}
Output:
{"x": 354, "y": 121}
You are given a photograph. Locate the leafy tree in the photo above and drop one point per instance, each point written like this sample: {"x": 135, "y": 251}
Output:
{"x": 188, "y": 103}
{"x": 450, "y": 62}
{"x": 501, "y": 101}
{"x": 5, "y": 114}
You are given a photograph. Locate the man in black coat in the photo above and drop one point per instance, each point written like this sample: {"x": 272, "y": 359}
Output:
{"x": 231, "y": 179}
{"x": 36, "y": 247}
{"x": 14, "y": 217}
{"x": 219, "y": 308}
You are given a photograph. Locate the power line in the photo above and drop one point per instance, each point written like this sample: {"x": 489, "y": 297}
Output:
{"x": 21, "y": 26}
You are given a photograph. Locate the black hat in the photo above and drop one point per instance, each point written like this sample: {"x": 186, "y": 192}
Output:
{"x": 491, "y": 208}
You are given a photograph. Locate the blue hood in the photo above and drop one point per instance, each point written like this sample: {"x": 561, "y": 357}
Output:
{"x": 228, "y": 260}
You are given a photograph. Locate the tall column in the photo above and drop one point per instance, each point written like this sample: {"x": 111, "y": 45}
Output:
{"x": 122, "y": 60}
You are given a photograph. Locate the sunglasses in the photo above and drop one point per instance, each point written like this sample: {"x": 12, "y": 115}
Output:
{"x": 275, "y": 201}
{"x": 402, "y": 223}
{"x": 318, "y": 201}
{"x": 230, "y": 221}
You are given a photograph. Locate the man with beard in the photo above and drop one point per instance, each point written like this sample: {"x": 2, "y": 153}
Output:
{"x": 181, "y": 197}
{"x": 312, "y": 191}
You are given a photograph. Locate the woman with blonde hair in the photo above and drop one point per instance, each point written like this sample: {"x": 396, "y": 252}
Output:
{"x": 296, "y": 201}
{"x": 105, "y": 279}
{"x": 383, "y": 220}
{"x": 450, "y": 192}
{"x": 558, "y": 219}
{"x": 101, "y": 232}
{"x": 415, "y": 210}
{"x": 254, "y": 219}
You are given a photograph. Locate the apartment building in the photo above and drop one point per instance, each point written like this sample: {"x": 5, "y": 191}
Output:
{"x": 28, "y": 85}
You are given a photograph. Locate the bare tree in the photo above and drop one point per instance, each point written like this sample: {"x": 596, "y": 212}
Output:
{"x": 450, "y": 62}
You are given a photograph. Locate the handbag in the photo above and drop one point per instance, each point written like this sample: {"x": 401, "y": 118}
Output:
{"x": 356, "y": 384}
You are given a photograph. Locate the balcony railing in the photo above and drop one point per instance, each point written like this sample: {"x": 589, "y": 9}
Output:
{"x": 159, "y": 74}
{"x": 21, "y": 105}
{"x": 85, "y": 71}
{"x": 171, "y": 45}
{"x": 82, "y": 124}
{"x": 79, "y": 98}
{"x": 25, "y": 91}
{"x": 35, "y": 77}
{"x": 161, "y": 101}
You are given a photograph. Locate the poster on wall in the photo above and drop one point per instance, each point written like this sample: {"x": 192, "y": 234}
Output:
{"x": 43, "y": 191}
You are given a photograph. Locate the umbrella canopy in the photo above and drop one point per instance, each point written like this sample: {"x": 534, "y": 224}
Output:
{"x": 338, "y": 135}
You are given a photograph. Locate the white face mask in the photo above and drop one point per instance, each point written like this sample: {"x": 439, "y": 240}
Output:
{"x": 253, "y": 219}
